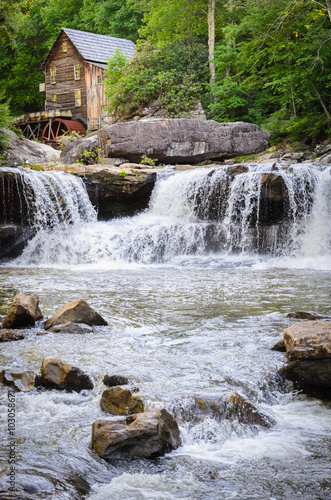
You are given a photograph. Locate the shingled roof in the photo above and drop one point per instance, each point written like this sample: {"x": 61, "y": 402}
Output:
{"x": 96, "y": 48}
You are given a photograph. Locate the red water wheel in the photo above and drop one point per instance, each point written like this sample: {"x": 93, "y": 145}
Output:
{"x": 58, "y": 128}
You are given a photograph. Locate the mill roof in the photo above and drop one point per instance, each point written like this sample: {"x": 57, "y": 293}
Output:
{"x": 96, "y": 48}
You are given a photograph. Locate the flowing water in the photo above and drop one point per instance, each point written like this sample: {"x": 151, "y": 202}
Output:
{"x": 195, "y": 294}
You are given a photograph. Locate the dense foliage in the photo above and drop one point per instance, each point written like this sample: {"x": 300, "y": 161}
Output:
{"x": 272, "y": 58}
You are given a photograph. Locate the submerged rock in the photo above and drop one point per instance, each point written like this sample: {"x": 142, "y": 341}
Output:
{"x": 55, "y": 374}
{"x": 18, "y": 381}
{"x": 77, "y": 311}
{"x": 71, "y": 327}
{"x": 229, "y": 405}
{"x": 113, "y": 380}
{"x": 7, "y": 335}
{"x": 308, "y": 352}
{"x": 279, "y": 346}
{"x": 120, "y": 401}
{"x": 144, "y": 435}
{"x": 304, "y": 315}
{"x": 23, "y": 312}
{"x": 181, "y": 140}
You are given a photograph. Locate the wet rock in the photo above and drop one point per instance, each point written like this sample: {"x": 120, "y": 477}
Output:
{"x": 77, "y": 311}
{"x": 181, "y": 140}
{"x": 279, "y": 346}
{"x": 23, "y": 312}
{"x": 308, "y": 352}
{"x": 70, "y": 327}
{"x": 55, "y": 374}
{"x": 304, "y": 315}
{"x": 112, "y": 380}
{"x": 120, "y": 401}
{"x": 227, "y": 405}
{"x": 18, "y": 381}
{"x": 7, "y": 335}
{"x": 22, "y": 151}
{"x": 144, "y": 435}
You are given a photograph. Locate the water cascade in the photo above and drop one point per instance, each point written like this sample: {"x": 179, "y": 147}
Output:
{"x": 246, "y": 209}
{"x": 195, "y": 290}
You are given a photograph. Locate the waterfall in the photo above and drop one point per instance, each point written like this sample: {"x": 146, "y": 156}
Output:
{"x": 221, "y": 210}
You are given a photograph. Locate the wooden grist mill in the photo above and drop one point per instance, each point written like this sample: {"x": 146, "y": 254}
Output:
{"x": 74, "y": 94}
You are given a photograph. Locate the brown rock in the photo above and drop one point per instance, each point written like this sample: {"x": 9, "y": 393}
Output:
{"x": 145, "y": 435}
{"x": 70, "y": 327}
{"x": 112, "y": 380}
{"x": 23, "y": 312}
{"x": 279, "y": 346}
{"x": 76, "y": 312}
{"x": 55, "y": 374}
{"x": 308, "y": 351}
{"x": 304, "y": 315}
{"x": 18, "y": 381}
{"x": 10, "y": 335}
{"x": 120, "y": 401}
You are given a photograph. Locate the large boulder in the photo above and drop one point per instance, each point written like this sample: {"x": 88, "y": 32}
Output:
{"x": 308, "y": 352}
{"x": 23, "y": 312}
{"x": 120, "y": 401}
{"x": 77, "y": 311}
{"x": 181, "y": 139}
{"x": 144, "y": 435}
{"x": 22, "y": 151}
{"x": 56, "y": 374}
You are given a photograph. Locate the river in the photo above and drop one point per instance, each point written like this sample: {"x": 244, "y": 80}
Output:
{"x": 185, "y": 319}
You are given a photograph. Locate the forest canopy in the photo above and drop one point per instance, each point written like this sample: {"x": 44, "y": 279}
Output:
{"x": 266, "y": 62}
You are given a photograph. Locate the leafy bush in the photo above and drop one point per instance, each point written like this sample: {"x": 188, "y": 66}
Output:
{"x": 5, "y": 122}
{"x": 174, "y": 76}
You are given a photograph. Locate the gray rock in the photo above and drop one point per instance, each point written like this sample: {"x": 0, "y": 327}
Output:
{"x": 181, "y": 140}
{"x": 71, "y": 327}
{"x": 55, "y": 374}
{"x": 7, "y": 335}
{"x": 23, "y": 151}
{"x": 77, "y": 311}
{"x": 73, "y": 152}
{"x": 144, "y": 435}
{"x": 23, "y": 312}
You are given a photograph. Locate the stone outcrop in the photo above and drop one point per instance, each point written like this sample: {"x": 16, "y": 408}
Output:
{"x": 18, "y": 381}
{"x": 55, "y": 374}
{"x": 77, "y": 311}
{"x": 181, "y": 140}
{"x": 113, "y": 380}
{"x": 7, "y": 335}
{"x": 226, "y": 405}
{"x": 23, "y": 312}
{"x": 22, "y": 151}
{"x": 145, "y": 435}
{"x": 120, "y": 401}
{"x": 70, "y": 327}
{"x": 308, "y": 352}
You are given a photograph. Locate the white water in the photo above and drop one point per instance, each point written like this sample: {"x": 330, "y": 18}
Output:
{"x": 186, "y": 317}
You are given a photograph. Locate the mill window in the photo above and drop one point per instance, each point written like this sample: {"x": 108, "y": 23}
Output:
{"x": 53, "y": 75}
{"x": 54, "y": 98}
{"x": 64, "y": 47}
{"x": 77, "y": 71}
{"x": 99, "y": 79}
{"x": 78, "y": 99}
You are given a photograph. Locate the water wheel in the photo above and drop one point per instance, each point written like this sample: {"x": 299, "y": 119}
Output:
{"x": 58, "y": 128}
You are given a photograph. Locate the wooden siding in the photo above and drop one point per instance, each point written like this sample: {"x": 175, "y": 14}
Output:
{"x": 66, "y": 85}
{"x": 96, "y": 99}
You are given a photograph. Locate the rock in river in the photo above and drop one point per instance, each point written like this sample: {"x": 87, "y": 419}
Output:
{"x": 10, "y": 335}
{"x": 71, "y": 327}
{"x": 55, "y": 374}
{"x": 23, "y": 312}
{"x": 144, "y": 435}
{"x": 112, "y": 380}
{"x": 18, "y": 381}
{"x": 77, "y": 311}
{"x": 120, "y": 401}
{"x": 308, "y": 352}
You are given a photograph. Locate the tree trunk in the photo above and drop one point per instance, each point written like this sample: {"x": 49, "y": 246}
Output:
{"x": 211, "y": 38}
{"x": 328, "y": 8}
{"x": 322, "y": 103}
